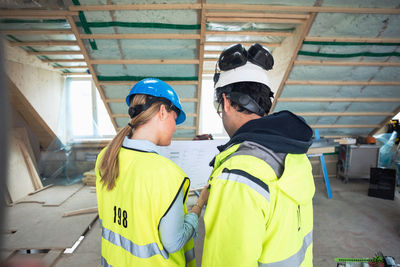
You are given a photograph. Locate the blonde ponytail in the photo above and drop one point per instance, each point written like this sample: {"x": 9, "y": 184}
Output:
{"x": 109, "y": 166}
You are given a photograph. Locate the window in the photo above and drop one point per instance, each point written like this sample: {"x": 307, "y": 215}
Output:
{"x": 86, "y": 115}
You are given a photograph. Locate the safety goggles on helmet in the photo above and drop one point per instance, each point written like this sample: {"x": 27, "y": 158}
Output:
{"x": 236, "y": 56}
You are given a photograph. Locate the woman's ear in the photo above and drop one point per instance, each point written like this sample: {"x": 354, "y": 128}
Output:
{"x": 162, "y": 113}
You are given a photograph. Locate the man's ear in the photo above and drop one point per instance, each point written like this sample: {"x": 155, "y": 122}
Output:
{"x": 227, "y": 103}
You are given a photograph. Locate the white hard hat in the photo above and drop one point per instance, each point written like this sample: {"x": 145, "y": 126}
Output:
{"x": 246, "y": 73}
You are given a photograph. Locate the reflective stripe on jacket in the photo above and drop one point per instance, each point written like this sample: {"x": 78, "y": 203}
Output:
{"x": 131, "y": 212}
{"x": 254, "y": 218}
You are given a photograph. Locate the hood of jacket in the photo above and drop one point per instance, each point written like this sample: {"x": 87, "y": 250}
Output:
{"x": 282, "y": 132}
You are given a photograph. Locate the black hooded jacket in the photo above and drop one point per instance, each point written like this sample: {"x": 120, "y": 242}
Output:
{"x": 282, "y": 132}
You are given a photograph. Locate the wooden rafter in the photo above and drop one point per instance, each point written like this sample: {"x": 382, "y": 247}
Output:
{"x": 228, "y": 43}
{"x": 345, "y": 63}
{"x": 352, "y": 39}
{"x": 144, "y": 61}
{"x": 135, "y": 7}
{"x": 91, "y": 69}
{"x": 317, "y": 126}
{"x": 257, "y": 15}
{"x": 44, "y": 43}
{"x": 37, "y": 32}
{"x": 131, "y": 83}
{"x": 64, "y": 60}
{"x": 313, "y": 9}
{"x": 202, "y": 16}
{"x": 249, "y": 33}
{"x": 127, "y": 115}
{"x": 122, "y": 100}
{"x": 306, "y": 29}
{"x": 36, "y": 14}
{"x": 39, "y": 53}
{"x": 381, "y": 83}
{"x": 70, "y": 67}
{"x": 255, "y": 20}
{"x": 351, "y": 114}
{"x": 141, "y": 36}
{"x": 333, "y": 99}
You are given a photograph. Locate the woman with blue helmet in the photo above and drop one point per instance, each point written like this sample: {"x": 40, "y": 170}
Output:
{"x": 141, "y": 196}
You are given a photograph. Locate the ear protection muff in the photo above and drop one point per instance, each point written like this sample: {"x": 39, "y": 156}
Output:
{"x": 246, "y": 102}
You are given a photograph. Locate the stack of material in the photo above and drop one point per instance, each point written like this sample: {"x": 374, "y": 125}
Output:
{"x": 23, "y": 177}
{"x": 90, "y": 178}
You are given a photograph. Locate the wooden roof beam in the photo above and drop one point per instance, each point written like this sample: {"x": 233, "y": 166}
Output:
{"x": 249, "y": 33}
{"x": 318, "y": 126}
{"x": 44, "y": 43}
{"x": 352, "y": 39}
{"x": 380, "y": 83}
{"x": 36, "y": 14}
{"x": 228, "y": 43}
{"x": 135, "y": 7}
{"x": 132, "y": 83}
{"x": 338, "y": 99}
{"x": 350, "y": 114}
{"x": 345, "y": 63}
{"x": 63, "y": 60}
{"x": 144, "y": 61}
{"x": 312, "y": 9}
{"x": 70, "y": 67}
{"x": 39, "y": 53}
{"x": 141, "y": 36}
{"x": 255, "y": 20}
{"x": 37, "y": 32}
{"x": 257, "y": 15}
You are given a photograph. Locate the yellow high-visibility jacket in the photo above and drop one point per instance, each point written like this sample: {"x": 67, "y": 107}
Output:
{"x": 253, "y": 218}
{"x": 130, "y": 213}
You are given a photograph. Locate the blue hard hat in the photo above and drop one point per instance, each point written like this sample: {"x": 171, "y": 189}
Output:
{"x": 156, "y": 87}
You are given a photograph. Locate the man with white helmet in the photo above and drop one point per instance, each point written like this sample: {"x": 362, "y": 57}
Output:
{"x": 259, "y": 212}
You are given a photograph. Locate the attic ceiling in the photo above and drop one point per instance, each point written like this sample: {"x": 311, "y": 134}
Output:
{"x": 337, "y": 63}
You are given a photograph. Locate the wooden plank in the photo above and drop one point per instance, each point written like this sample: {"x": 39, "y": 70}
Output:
{"x": 37, "y": 32}
{"x": 122, "y": 100}
{"x": 341, "y": 99}
{"x": 355, "y": 114}
{"x": 169, "y": 6}
{"x": 144, "y": 61}
{"x": 54, "y": 53}
{"x": 249, "y": 33}
{"x": 36, "y": 232}
{"x": 140, "y": 36}
{"x": 132, "y": 83}
{"x": 246, "y": 44}
{"x": 22, "y": 135}
{"x": 53, "y": 196}
{"x": 80, "y": 211}
{"x": 44, "y": 43}
{"x": 257, "y": 15}
{"x": 51, "y": 257}
{"x": 37, "y": 14}
{"x": 202, "y": 16}
{"x": 71, "y": 67}
{"x": 316, "y": 9}
{"x": 352, "y": 39}
{"x": 74, "y": 73}
{"x": 288, "y": 70}
{"x": 41, "y": 189}
{"x": 345, "y": 63}
{"x": 317, "y": 126}
{"x": 64, "y": 60}
{"x": 255, "y": 20}
{"x": 91, "y": 69}
{"x": 34, "y": 176}
{"x": 320, "y": 150}
{"x": 382, "y": 83}
{"x": 39, "y": 127}
{"x": 18, "y": 182}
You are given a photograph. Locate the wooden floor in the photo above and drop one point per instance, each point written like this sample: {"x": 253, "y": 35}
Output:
{"x": 351, "y": 224}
